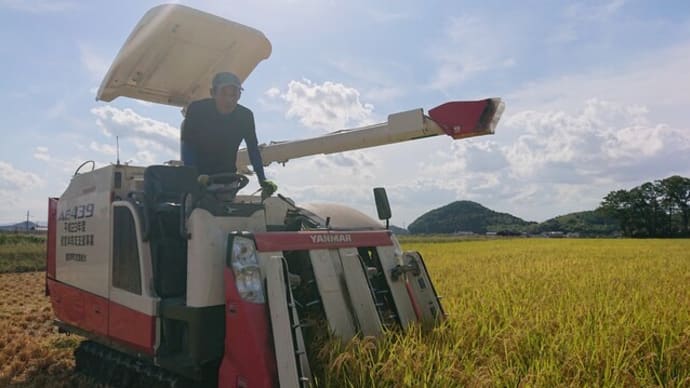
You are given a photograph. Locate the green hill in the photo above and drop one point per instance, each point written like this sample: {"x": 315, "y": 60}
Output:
{"x": 466, "y": 216}
{"x": 586, "y": 223}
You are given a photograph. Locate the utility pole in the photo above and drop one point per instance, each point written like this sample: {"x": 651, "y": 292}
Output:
{"x": 27, "y": 220}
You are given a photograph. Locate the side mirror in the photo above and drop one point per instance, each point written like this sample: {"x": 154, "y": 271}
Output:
{"x": 382, "y": 205}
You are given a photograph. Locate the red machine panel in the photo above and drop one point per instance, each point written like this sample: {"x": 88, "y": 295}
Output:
{"x": 79, "y": 308}
{"x": 249, "y": 359}
{"x": 99, "y": 316}
{"x": 132, "y": 327}
{"x": 286, "y": 241}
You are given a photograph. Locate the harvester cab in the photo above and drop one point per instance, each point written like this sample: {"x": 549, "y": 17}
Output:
{"x": 179, "y": 280}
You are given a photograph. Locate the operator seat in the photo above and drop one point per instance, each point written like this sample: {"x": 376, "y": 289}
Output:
{"x": 165, "y": 189}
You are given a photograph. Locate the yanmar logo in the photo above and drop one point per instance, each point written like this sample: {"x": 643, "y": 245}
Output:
{"x": 331, "y": 238}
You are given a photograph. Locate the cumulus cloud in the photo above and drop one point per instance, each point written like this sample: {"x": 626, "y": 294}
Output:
{"x": 41, "y": 153}
{"x": 471, "y": 45}
{"x": 343, "y": 192}
{"x": 380, "y": 79}
{"x": 604, "y": 137}
{"x": 350, "y": 164}
{"x": 95, "y": 64}
{"x": 345, "y": 178}
{"x": 273, "y": 92}
{"x": 657, "y": 80}
{"x": 12, "y": 178}
{"x": 153, "y": 140}
{"x": 106, "y": 149}
{"x": 128, "y": 120}
{"x": 329, "y": 106}
{"x": 564, "y": 161}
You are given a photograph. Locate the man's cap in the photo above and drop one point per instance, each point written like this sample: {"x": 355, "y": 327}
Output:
{"x": 225, "y": 79}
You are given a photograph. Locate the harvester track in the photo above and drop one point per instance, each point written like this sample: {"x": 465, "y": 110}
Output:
{"x": 115, "y": 369}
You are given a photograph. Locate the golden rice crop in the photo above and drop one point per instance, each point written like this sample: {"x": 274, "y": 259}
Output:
{"x": 523, "y": 312}
{"x": 539, "y": 312}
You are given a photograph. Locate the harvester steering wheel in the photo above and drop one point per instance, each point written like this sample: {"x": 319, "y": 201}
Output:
{"x": 226, "y": 181}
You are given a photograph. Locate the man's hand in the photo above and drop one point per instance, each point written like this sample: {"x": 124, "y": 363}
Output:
{"x": 267, "y": 189}
{"x": 203, "y": 180}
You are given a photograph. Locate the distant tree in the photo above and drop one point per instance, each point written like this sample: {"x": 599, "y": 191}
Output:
{"x": 649, "y": 210}
{"x": 618, "y": 204}
{"x": 676, "y": 191}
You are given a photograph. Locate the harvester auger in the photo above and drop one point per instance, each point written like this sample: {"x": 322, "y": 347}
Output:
{"x": 175, "y": 283}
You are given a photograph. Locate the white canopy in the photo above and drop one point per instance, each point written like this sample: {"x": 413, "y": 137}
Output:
{"x": 173, "y": 53}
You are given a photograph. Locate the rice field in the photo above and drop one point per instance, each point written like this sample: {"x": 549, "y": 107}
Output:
{"x": 522, "y": 312}
{"x": 32, "y": 353}
{"x": 540, "y": 312}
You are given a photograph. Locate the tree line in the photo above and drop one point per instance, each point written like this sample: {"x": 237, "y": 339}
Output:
{"x": 652, "y": 209}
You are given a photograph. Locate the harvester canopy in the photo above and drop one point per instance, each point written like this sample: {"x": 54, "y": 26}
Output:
{"x": 172, "y": 54}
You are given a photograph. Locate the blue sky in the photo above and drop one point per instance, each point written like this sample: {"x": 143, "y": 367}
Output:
{"x": 596, "y": 98}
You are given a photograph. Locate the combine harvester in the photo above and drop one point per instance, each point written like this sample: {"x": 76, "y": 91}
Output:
{"x": 179, "y": 283}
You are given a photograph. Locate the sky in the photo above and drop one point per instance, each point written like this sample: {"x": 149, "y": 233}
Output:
{"x": 596, "y": 92}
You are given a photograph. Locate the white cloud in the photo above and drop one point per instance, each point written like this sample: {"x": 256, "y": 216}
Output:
{"x": 153, "y": 141}
{"x": 578, "y": 19}
{"x": 380, "y": 78}
{"x": 604, "y": 137}
{"x": 145, "y": 158}
{"x": 657, "y": 80}
{"x": 58, "y": 109}
{"x": 330, "y": 105}
{"x": 127, "y": 123}
{"x": 349, "y": 164}
{"x": 12, "y": 178}
{"x": 106, "y": 149}
{"x": 37, "y": 6}
{"x": 41, "y": 153}
{"x": 471, "y": 45}
{"x": 95, "y": 64}
{"x": 273, "y": 92}
{"x": 563, "y": 162}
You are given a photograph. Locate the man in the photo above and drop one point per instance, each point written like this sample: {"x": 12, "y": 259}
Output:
{"x": 213, "y": 129}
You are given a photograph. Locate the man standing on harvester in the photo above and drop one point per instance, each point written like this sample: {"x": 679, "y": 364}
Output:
{"x": 213, "y": 129}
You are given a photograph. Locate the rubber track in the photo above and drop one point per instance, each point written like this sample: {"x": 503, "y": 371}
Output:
{"x": 115, "y": 369}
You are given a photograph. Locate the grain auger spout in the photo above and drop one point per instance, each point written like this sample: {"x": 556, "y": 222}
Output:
{"x": 457, "y": 119}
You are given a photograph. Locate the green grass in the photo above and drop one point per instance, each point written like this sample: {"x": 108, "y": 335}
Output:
{"x": 21, "y": 252}
{"x": 539, "y": 312}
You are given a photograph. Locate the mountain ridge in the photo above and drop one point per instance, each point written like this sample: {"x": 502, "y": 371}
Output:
{"x": 465, "y": 216}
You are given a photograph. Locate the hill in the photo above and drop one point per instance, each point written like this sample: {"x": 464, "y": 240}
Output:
{"x": 586, "y": 223}
{"x": 466, "y": 216}
{"x": 398, "y": 230}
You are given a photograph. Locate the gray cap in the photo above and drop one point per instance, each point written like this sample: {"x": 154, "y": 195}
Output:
{"x": 225, "y": 79}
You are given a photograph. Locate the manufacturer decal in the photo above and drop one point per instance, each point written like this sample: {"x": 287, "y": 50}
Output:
{"x": 331, "y": 238}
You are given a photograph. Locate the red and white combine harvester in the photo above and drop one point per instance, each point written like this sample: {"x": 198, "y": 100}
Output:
{"x": 175, "y": 282}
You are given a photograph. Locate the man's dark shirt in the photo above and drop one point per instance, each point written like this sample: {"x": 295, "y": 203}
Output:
{"x": 214, "y": 138}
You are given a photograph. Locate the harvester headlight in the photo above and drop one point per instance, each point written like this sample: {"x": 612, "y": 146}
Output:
{"x": 245, "y": 266}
